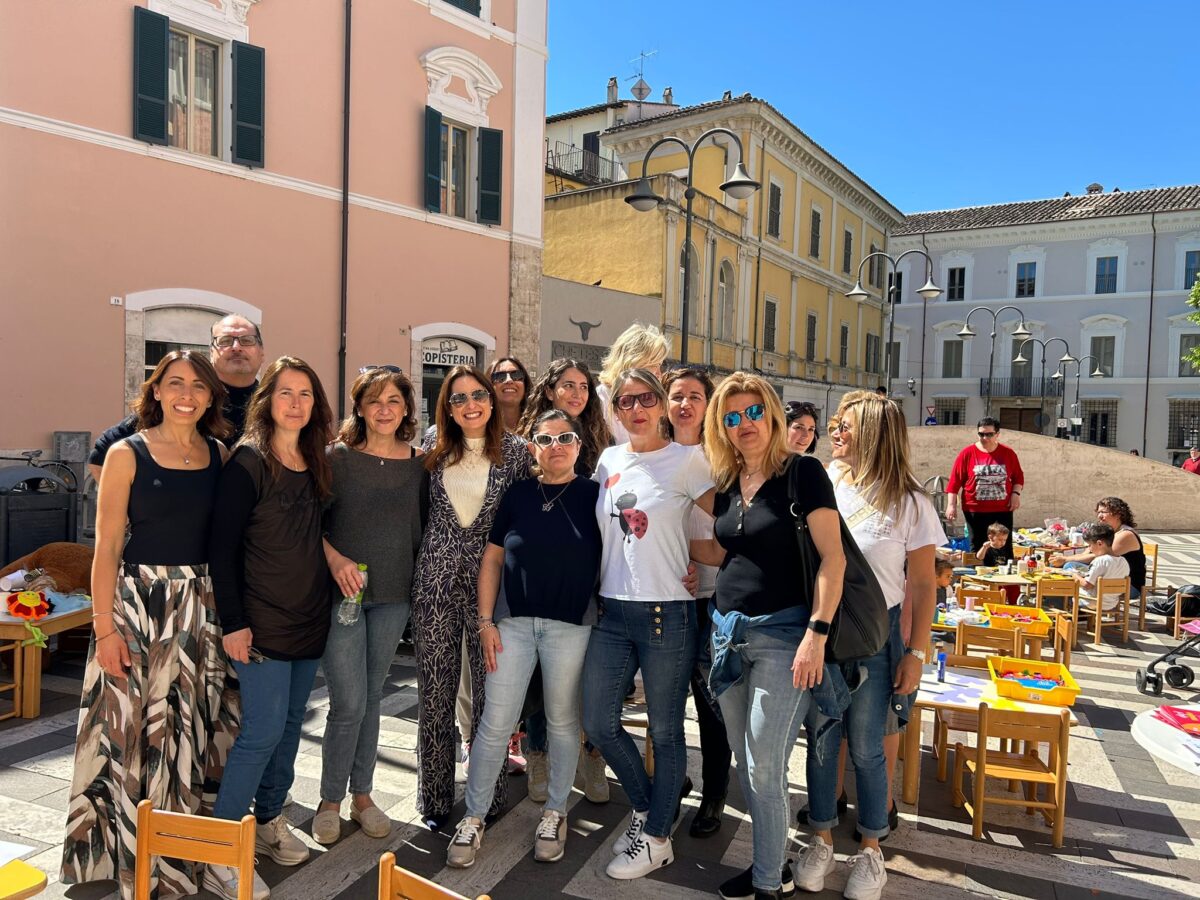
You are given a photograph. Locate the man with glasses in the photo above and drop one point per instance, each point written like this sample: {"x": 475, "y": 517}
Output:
{"x": 1192, "y": 463}
{"x": 236, "y": 351}
{"x": 989, "y": 476}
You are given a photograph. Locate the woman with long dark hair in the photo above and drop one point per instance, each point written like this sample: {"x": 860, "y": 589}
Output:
{"x": 513, "y": 387}
{"x": 151, "y": 722}
{"x": 374, "y": 518}
{"x": 568, "y": 385}
{"x": 471, "y": 465}
{"x": 272, "y": 587}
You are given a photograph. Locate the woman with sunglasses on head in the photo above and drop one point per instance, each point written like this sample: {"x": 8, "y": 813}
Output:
{"x": 647, "y": 617}
{"x": 688, "y": 393}
{"x": 768, "y": 632}
{"x": 471, "y": 465}
{"x": 151, "y": 719}
{"x": 513, "y": 387}
{"x": 896, "y": 526}
{"x": 373, "y": 518}
{"x": 637, "y": 347}
{"x": 272, "y": 587}
{"x": 802, "y": 430}
{"x": 544, "y": 548}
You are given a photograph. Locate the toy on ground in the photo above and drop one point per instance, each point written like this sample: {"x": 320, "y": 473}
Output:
{"x": 1178, "y": 675}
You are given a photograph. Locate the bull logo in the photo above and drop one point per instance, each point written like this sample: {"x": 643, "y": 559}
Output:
{"x": 585, "y": 328}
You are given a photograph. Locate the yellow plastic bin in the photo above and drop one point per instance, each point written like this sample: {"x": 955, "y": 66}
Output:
{"x": 1002, "y": 616}
{"x": 1036, "y": 682}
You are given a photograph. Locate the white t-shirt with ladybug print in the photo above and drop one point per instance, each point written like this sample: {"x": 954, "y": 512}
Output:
{"x": 643, "y": 509}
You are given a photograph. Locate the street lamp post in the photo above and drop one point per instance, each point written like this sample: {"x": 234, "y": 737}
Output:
{"x": 643, "y": 199}
{"x": 928, "y": 291}
{"x": 965, "y": 332}
{"x": 1061, "y": 373}
{"x": 1065, "y": 358}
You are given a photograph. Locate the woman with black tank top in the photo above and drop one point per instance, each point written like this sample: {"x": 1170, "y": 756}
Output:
{"x": 151, "y": 725}
{"x": 1127, "y": 543}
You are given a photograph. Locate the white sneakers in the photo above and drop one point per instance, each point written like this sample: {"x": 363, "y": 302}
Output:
{"x": 632, "y": 832}
{"x": 812, "y": 865}
{"x": 643, "y": 856}
{"x": 867, "y": 874}
{"x": 276, "y": 840}
{"x": 223, "y": 881}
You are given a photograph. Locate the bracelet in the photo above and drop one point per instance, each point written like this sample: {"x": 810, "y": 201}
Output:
{"x": 109, "y": 614}
{"x": 1018, "y": 493}
{"x": 484, "y": 626}
{"x": 103, "y": 636}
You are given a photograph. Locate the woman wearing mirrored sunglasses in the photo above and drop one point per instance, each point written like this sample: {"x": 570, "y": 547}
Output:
{"x": 545, "y": 550}
{"x": 647, "y": 620}
{"x": 765, "y": 622}
{"x": 471, "y": 465}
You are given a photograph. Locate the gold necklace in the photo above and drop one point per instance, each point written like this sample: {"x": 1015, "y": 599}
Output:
{"x": 187, "y": 454}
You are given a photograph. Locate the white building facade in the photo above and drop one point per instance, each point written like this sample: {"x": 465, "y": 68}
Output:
{"x": 1104, "y": 276}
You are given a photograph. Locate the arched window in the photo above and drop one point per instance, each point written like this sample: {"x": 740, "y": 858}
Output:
{"x": 726, "y": 296}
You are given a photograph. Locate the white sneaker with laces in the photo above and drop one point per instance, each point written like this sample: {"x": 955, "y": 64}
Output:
{"x": 812, "y": 865}
{"x": 642, "y": 857}
{"x": 276, "y": 840}
{"x": 550, "y": 839}
{"x": 466, "y": 841}
{"x": 867, "y": 875}
{"x": 223, "y": 881}
{"x": 632, "y": 832}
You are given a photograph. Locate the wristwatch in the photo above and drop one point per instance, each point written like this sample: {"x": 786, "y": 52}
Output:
{"x": 919, "y": 654}
{"x": 819, "y": 626}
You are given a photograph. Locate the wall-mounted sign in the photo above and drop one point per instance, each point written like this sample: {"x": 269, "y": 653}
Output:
{"x": 448, "y": 352}
{"x": 589, "y": 354}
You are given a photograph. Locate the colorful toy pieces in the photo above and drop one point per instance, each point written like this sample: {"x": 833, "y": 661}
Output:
{"x": 29, "y": 605}
{"x": 1034, "y": 679}
{"x": 1018, "y": 618}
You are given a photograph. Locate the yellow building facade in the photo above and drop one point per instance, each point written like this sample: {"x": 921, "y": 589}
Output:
{"x": 769, "y": 273}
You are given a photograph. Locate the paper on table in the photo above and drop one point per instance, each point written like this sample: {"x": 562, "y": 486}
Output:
{"x": 9, "y": 852}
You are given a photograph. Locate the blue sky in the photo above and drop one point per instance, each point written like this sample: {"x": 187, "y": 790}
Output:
{"x": 935, "y": 104}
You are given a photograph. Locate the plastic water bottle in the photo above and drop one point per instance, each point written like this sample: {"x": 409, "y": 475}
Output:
{"x": 351, "y": 607}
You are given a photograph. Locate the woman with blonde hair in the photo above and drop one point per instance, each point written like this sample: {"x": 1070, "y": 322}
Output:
{"x": 769, "y": 633}
{"x": 637, "y": 347}
{"x": 896, "y": 527}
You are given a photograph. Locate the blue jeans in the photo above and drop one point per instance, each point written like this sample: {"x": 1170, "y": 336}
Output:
{"x": 262, "y": 761}
{"x": 560, "y": 647}
{"x": 864, "y": 725}
{"x": 763, "y": 714}
{"x": 659, "y": 638}
{"x": 356, "y": 664}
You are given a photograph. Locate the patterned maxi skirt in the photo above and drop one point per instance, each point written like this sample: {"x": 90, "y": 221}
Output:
{"x": 162, "y": 733}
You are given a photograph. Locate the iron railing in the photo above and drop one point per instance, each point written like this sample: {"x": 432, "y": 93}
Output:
{"x": 582, "y": 165}
{"x": 1021, "y": 386}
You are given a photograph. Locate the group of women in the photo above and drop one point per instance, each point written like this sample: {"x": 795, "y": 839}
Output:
{"x": 643, "y": 524}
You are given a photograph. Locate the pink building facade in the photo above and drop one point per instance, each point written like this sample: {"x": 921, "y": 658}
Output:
{"x": 167, "y": 162}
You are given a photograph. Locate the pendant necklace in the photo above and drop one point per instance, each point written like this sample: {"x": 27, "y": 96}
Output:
{"x": 549, "y": 504}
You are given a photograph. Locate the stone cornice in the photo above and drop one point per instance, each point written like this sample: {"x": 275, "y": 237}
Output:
{"x": 1047, "y": 232}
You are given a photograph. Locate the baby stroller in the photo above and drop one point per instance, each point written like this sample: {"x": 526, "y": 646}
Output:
{"x": 1178, "y": 675}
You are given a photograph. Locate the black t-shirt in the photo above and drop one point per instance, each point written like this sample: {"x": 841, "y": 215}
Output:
{"x": 760, "y": 575}
{"x": 551, "y": 557}
{"x": 992, "y": 556}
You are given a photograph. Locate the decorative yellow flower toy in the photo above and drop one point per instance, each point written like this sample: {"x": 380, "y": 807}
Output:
{"x": 29, "y": 605}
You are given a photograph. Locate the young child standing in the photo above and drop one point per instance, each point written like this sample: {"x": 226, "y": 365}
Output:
{"x": 993, "y": 552}
{"x": 1099, "y": 539}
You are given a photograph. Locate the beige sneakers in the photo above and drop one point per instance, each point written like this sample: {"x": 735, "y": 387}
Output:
{"x": 465, "y": 844}
{"x": 550, "y": 839}
{"x": 276, "y": 840}
{"x": 538, "y": 769}
{"x": 590, "y": 776}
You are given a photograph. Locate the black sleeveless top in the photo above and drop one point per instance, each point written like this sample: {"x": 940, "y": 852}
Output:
{"x": 169, "y": 509}
{"x": 1137, "y": 561}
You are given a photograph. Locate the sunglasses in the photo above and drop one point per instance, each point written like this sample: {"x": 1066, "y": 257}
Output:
{"x": 567, "y": 438}
{"x": 479, "y": 396}
{"x": 647, "y": 400}
{"x": 372, "y": 367}
{"x": 506, "y": 375}
{"x": 242, "y": 340}
{"x": 986, "y": 434}
{"x": 752, "y": 413}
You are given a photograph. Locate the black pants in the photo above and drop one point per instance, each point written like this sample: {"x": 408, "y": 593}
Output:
{"x": 977, "y": 527}
{"x": 715, "y": 755}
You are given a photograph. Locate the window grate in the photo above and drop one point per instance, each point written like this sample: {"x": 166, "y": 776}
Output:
{"x": 950, "y": 410}
{"x": 1100, "y": 422}
{"x": 1183, "y": 424}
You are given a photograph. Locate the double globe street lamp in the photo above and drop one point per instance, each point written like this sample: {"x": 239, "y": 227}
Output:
{"x": 740, "y": 187}
{"x": 966, "y": 333}
{"x": 1063, "y": 360}
{"x": 1061, "y": 373}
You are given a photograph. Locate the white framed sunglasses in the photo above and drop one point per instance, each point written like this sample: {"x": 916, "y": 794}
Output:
{"x": 567, "y": 438}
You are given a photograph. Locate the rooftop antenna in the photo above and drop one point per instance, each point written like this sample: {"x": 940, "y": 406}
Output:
{"x": 641, "y": 90}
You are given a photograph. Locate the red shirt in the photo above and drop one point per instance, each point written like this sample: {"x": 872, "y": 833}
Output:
{"x": 1192, "y": 465}
{"x": 986, "y": 479}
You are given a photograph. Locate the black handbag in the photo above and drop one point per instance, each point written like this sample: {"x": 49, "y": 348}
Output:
{"x": 860, "y": 626}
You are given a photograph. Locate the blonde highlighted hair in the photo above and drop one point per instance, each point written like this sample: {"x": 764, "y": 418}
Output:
{"x": 882, "y": 470}
{"x": 724, "y": 458}
{"x": 637, "y": 347}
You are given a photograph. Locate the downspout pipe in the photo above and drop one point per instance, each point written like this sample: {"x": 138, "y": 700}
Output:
{"x": 1149, "y": 334}
{"x": 345, "y": 275}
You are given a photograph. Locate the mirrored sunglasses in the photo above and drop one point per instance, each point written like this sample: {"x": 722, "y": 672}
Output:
{"x": 567, "y": 438}
{"x": 479, "y": 396}
{"x": 753, "y": 413}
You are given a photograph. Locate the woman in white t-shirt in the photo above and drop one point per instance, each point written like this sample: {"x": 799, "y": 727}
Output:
{"x": 896, "y": 527}
{"x": 647, "y": 619}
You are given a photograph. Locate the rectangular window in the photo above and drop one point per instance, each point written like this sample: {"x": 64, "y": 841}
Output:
{"x": 774, "y": 206}
{"x": 810, "y": 338}
{"x": 1021, "y": 371}
{"x": 844, "y": 347}
{"x": 192, "y": 87}
{"x": 848, "y": 251}
{"x": 894, "y": 359}
{"x": 873, "y": 268}
{"x": 1191, "y": 268}
{"x": 1188, "y": 344}
{"x": 1100, "y": 422}
{"x": 871, "y": 363}
{"x": 1183, "y": 424}
{"x": 156, "y": 350}
{"x": 952, "y": 359}
{"x": 1026, "y": 279}
{"x": 1106, "y": 275}
{"x": 468, "y": 6}
{"x": 769, "y": 326}
{"x": 895, "y": 286}
{"x": 455, "y": 153}
{"x": 1104, "y": 352}
{"x": 814, "y": 237}
{"x": 950, "y": 410}
{"x": 956, "y": 283}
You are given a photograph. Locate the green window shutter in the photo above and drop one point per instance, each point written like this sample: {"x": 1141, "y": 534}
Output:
{"x": 433, "y": 159}
{"x": 471, "y": 6}
{"x": 249, "y": 104}
{"x": 491, "y": 174}
{"x": 151, "y": 40}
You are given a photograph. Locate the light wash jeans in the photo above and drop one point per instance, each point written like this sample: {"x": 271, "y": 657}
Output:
{"x": 763, "y": 714}
{"x": 560, "y": 647}
{"x": 356, "y": 663}
{"x": 262, "y": 762}
{"x": 660, "y": 638}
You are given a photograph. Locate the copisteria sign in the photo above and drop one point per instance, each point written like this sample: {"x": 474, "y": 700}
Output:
{"x": 448, "y": 352}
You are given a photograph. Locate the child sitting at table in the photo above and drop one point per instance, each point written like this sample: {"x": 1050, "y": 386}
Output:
{"x": 1099, "y": 539}
{"x": 943, "y": 571}
{"x": 993, "y": 552}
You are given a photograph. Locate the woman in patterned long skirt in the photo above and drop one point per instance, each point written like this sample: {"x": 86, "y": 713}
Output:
{"x": 471, "y": 466}
{"x": 151, "y": 725}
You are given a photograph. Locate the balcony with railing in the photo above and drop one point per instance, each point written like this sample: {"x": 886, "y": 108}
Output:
{"x": 1021, "y": 386}
{"x": 580, "y": 165}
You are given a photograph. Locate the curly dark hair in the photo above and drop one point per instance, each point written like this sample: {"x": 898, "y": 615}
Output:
{"x": 1118, "y": 508}
{"x": 594, "y": 430}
